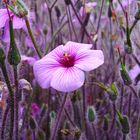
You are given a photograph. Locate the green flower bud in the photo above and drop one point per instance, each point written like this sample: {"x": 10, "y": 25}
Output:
{"x": 113, "y": 92}
{"x": 13, "y": 54}
{"x": 19, "y": 8}
{"x": 125, "y": 76}
{"x": 91, "y": 114}
{"x": 125, "y": 125}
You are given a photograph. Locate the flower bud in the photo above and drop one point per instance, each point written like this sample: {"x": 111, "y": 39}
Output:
{"x": 113, "y": 92}
{"x": 91, "y": 114}
{"x": 125, "y": 125}
{"x": 13, "y": 54}
{"x": 125, "y": 76}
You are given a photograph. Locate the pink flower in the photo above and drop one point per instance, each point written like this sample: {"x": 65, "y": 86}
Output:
{"x": 18, "y": 23}
{"x": 87, "y": 9}
{"x": 134, "y": 73}
{"x": 63, "y": 68}
{"x": 29, "y": 60}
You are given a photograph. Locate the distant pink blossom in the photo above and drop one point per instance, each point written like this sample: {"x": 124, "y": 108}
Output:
{"x": 18, "y": 23}
{"x": 64, "y": 67}
{"x": 29, "y": 60}
{"x": 87, "y": 8}
{"x": 134, "y": 72}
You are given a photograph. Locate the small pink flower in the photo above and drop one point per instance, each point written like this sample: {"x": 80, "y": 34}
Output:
{"x": 134, "y": 72}
{"x": 29, "y": 60}
{"x": 18, "y": 23}
{"x": 63, "y": 68}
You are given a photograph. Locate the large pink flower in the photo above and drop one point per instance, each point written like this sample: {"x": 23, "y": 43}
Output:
{"x": 63, "y": 68}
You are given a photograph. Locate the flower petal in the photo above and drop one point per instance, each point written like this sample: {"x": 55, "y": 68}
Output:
{"x": 56, "y": 53}
{"x": 18, "y": 23}
{"x": 89, "y": 59}
{"x": 77, "y": 46}
{"x": 44, "y": 70}
{"x": 3, "y": 17}
{"x": 67, "y": 79}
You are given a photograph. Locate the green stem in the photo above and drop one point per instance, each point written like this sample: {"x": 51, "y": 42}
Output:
{"x": 11, "y": 100}
{"x": 133, "y": 25}
{"x": 32, "y": 37}
{"x": 58, "y": 118}
{"x": 16, "y": 103}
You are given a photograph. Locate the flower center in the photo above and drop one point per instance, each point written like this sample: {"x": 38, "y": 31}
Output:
{"x": 67, "y": 60}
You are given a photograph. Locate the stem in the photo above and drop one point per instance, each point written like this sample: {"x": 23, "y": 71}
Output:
{"x": 138, "y": 130}
{"x": 11, "y": 100}
{"x": 51, "y": 22}
{"x": 121, "y": 101}
{"x": 133, "y": 25}
{"x": 98, "y": 25}
{"x": 94, "y": 131}
{"x": 58, "y": 118}
{"x": 81, "y": 22}
{"x": 16, "y": 103}
{"x": 4, "y": 121}
{"x": 32, "y": 37}
{"x": 69, "y": 25}
{"x": 72, "y": 24}
{"x": 69, "y": 118}
{"x": 84, "y": 111}
{"x": 27, "y": 111}
{"x": 124, "y": 137}
{"x": 129, "y": 105}
{"x": 114, "y": 116}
